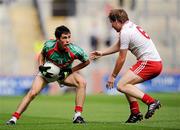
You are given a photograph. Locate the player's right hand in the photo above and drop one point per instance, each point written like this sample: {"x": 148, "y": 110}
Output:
{"x": 95, "y": 54}
{"x": 44, "y": 72}
{"x": 43, "y": 68}
{"x": 110, "y": 83}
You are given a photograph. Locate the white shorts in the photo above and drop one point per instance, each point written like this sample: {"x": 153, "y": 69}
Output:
{"x": 49, "y": 80}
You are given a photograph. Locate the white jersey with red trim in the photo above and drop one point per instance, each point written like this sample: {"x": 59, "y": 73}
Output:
{"x": 133, "y": 38}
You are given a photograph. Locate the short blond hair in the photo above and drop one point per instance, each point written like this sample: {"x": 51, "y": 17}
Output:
{"x": 118, "y": 14}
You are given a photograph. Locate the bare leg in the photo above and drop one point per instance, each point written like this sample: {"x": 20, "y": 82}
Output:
{"x": 126, "y": 85}
{"x": 37, "y": 86}
{"x": 130, "y": 79}
{"x": 77, "y": 81}
{"x": 80, "y": 95}
{"x": 130, "y": 99}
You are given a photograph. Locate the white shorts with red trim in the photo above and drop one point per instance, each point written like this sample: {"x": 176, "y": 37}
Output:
{"x": 147, "y": 69}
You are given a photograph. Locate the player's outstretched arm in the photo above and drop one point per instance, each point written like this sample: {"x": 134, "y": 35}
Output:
{"x": 95, "y": 55}
{"x": 112, "y": 49}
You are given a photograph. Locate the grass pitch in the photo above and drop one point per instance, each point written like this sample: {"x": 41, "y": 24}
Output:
{"x": 101, "y": 112}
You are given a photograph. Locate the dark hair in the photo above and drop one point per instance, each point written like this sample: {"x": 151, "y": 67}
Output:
{"x": 119, "y": 15}
{"x": 60, "y": 30}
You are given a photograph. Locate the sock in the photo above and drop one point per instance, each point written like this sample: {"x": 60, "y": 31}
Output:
{"x": 134, "y": 107}
{"x": 16, "y": 115}
{"x": 77, "y": 114}
{"x": 147, "y": 99}
{"x": 13, "y": 119}
{"x": 78, "y": 109}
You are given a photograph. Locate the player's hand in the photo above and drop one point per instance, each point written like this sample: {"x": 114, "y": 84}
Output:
{"x": 64, "y": 73}
{"x": 95, "y": 54}
{"x": 110, "y": 83}
{"x": 44, "y": 72}
{"x": 43, "y": 69}
{"x": 68, "y": 70}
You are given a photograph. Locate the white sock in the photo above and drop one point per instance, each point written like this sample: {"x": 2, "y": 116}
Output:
{"x": 13, "y": 119}
{"x": 77, "y": 114}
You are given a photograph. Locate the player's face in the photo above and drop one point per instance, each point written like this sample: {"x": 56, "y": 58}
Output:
{"x": 64, "y": 40}
{"x": 116, "y": 25}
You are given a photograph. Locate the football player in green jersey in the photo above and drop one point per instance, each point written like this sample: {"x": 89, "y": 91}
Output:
{"x": 62, "y": 53}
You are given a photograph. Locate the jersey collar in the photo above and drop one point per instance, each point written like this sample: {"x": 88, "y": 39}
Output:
{"x": 57, "y": 49}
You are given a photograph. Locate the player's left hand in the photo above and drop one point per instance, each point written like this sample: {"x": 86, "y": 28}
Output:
{"x": 67, "y": 70}
{"x": 110, "y": 83}
{"x": 64, "y": 73}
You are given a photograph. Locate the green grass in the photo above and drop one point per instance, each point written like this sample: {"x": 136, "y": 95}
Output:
{"x": 102, "y": 112}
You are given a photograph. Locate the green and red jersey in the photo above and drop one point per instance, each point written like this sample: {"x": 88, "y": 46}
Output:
{"x": 63, "y": 59}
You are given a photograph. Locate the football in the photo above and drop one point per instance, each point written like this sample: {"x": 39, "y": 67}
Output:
{"x": 54, "y": 70}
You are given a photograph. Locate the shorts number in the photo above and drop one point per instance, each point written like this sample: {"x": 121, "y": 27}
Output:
{"x": 143, "y": 32}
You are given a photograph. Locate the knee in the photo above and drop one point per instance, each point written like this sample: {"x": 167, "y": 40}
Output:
{"x": 82, "y": 84}
{"x": 32, "y": 94}
{"x": 121, "y": 88}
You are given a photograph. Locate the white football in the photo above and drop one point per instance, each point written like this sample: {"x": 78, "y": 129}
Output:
{"x": 54, "y": 69}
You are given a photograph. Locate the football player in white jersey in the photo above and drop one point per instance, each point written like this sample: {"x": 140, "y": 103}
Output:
{"x": 148, "y": 66}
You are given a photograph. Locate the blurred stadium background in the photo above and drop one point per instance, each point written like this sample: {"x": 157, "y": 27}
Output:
{"x": 26, "y": 24}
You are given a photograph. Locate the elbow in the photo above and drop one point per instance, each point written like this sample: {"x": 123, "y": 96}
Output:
{"x": 117, "y": 50}
{"x": 88, "y": 62}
